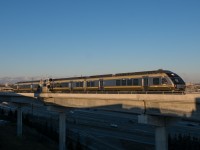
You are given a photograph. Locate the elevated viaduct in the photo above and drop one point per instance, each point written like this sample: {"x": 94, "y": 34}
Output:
{"x": 160, "y": 110}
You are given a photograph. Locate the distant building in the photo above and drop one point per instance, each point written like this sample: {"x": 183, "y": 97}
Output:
{"x": 193, "y": 87}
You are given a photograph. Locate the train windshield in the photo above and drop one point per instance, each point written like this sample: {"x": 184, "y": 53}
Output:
{"x": 175, "y": 78}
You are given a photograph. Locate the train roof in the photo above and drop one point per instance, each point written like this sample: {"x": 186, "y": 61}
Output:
{"x": 118, "y": 74}
{"x": 144, "y": 72}
{"x": 29, "y": 81}
{"x": 84, "y": 77}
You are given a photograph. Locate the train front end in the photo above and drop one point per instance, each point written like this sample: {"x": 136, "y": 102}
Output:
{"x": 179, "y": 84}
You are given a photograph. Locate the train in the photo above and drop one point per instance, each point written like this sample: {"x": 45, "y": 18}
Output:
{"x": 156, "y": 80}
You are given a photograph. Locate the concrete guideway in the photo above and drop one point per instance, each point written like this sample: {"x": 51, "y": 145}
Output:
{"x": 187, "y": 106}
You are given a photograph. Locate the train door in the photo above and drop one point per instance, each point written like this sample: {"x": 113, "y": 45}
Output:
{"x": 84, "y": 85}
{"x": 145, "y": 83}
{"x": 31, "y": 86}
{"x": 101, "y": 84}
{"x": 71, "y": 86}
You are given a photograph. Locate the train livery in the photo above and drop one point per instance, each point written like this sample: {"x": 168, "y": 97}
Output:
{"x": 158, "y": 80}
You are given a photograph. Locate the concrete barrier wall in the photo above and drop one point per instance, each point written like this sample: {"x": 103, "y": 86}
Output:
{"x": 159, "y": 97}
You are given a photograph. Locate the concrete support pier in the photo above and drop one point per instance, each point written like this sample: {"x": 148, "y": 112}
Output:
{"x": 19, "y": 121}
{"x": 62, "y": 124}
{"x": 161, "y": 123}
{"x": 161, "y": 137}
{"x": 62, "y": 131}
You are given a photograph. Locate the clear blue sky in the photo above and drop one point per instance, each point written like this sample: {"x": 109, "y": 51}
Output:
{"x": 61, "y": 38}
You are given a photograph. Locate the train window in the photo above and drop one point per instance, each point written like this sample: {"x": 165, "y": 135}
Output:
{"x": 77, "y": 84}
{"x": 88, "y": 83}
{"x": 177, "y": 80}
{"x": 164, "y": 81}
{"x": 57, "y": 84}
{"x": 81, "y": 84}
{"x": 109, "y": 83}
{"x": 123, "y": 82}
{"x": 129, "y": 82}
{"x": 118, "y": 82}
{"x": 64, "y": 84}
{"x": 92, "y": 83}
{"x": 25, "y": 86}
{"x": 156, "y": 81}
{"x": 135, "y": 81}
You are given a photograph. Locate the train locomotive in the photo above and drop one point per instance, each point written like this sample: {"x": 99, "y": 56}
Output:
{"x": 157, "y": 80}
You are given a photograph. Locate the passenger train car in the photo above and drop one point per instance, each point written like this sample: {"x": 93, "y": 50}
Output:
{"x": 158, "y": 80}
